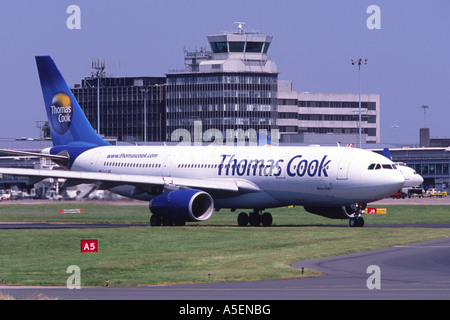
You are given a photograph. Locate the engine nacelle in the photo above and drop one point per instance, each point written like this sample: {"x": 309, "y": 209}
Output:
{"x": 333, "y": 212}
{"x": 183, "y": 205}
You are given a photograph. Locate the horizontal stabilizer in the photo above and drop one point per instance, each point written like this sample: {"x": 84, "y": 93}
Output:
{"x": 35, "y": 154}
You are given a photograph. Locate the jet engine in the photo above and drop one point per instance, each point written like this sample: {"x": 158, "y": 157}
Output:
{"x": 183, "y": 205}
{"x": 333, "y": 212}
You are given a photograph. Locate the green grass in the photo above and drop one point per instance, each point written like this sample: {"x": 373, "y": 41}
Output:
{"x": 216, "y": 250}
{"x": 94, "y": 212}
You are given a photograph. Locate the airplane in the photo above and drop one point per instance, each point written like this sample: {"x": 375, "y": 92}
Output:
{"x": 187, "y": 183}
{"x": 412, "y": 178}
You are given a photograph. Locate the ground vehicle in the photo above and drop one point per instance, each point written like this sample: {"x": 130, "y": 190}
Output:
{"x": 435, "y": 193}
{"x": 399, "y": 195}
{"x": 5, "y": 194}
{"x": 415, "y": 193}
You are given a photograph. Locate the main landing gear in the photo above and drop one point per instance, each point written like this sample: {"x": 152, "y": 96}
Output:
{"x": 255, "y": 218}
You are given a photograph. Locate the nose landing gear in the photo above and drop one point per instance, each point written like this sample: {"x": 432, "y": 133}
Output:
{"x": 357, "y": 219}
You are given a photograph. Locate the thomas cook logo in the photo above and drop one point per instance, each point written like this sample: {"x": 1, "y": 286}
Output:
{"x": 61, "y": 112}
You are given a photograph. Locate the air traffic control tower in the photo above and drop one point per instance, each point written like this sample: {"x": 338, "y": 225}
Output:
{"x": 240, "y": 52}
{"x": 233, "y": 86}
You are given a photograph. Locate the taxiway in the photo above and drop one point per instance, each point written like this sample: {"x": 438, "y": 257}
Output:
{"x": 416, "y": 271}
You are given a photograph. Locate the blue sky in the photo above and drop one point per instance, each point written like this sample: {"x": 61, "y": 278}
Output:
{"x": 314, "y": 40}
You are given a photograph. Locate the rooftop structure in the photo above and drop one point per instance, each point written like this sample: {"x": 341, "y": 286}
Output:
{"x": 239, "y": 51}
{"x": 232, "y": 87}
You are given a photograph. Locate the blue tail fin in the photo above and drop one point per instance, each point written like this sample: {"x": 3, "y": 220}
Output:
{"x": 386, "y": 153}
{"x": 67, "y": 122}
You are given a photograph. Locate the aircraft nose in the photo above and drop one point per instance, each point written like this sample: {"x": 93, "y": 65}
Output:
{"x": 419, "y": 179}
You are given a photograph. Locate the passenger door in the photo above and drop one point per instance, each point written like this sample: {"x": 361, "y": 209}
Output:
{"x": 344, "y": 165}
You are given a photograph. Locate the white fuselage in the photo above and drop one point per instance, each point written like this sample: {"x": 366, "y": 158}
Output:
{"x": 412, "y": 178}
{"x": 325, "y": 176}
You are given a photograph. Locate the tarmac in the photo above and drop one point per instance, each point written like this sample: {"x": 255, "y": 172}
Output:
{"x": 418, "y": 271}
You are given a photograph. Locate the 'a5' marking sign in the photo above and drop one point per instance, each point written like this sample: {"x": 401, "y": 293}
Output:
{"x": 89, "y": 246}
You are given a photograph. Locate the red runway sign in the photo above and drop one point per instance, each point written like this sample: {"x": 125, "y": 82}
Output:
{"x": 89, "y": 246}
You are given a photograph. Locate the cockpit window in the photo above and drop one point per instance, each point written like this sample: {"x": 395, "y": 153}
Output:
{"x": 377, "y": 166}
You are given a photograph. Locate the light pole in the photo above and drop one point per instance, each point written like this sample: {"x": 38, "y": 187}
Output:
{"x": 425, "y": 107}
{"x": 359, "y": 62}
{"x": 98, "y": 65}
{"x": 144, "y": 91}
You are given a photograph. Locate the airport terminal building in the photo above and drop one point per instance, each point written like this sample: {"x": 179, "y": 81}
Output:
{"x": 431, "y": 160}
{"x": 326, "y": 118}
{"x": 232, "y": 85}
{"x": 130, "y": 108}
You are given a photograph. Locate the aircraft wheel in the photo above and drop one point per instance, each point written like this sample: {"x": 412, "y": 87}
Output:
{"x": 352, "y": 222}
{"x": 242, "y": 219}
{"x": 255, "y": 219}
{"x": 361, "y": 222}
{"x": 266, "y": 219}
{"x": 356, "y": 222}
{"x": 166, "y": 221}
{"x": 155, "y": 220}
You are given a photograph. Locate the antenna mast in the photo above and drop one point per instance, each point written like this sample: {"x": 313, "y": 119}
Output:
{"x": 240, "y": 26}
{"x": 99, "y": 66}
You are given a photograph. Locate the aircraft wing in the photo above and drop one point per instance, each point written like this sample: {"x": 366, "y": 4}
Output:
{"x": 143, "y": 181}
